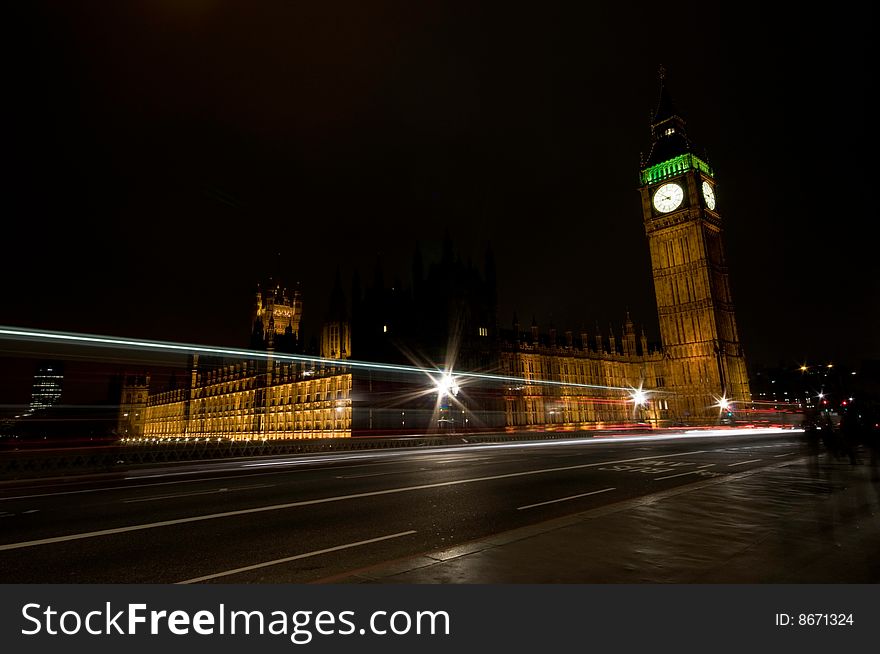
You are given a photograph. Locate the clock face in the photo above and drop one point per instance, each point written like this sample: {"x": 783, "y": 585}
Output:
{"x": 668, "y": 197}
{"x": 709, "y": 195}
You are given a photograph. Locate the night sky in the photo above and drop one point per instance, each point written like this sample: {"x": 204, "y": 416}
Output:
{"x": 165, "y": 156}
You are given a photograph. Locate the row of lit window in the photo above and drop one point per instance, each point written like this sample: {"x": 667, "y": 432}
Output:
{"x": 594, "y": 369}
{"x": 215, "y": 430}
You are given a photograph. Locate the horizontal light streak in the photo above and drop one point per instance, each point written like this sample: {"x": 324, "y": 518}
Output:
{"x": 743, "y": 430}
{"x": 72, "y": 338}
{"x": 595, "y": 440}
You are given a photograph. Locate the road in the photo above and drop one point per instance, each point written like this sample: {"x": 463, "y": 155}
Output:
{"x": 297, "y": 519}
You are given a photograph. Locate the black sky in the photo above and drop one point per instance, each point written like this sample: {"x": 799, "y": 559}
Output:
{"x": 163, "y": 154}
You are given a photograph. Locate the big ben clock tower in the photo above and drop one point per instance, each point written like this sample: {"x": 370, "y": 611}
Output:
{"x": 705, "y": 367}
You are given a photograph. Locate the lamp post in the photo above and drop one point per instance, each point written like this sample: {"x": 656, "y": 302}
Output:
{"x": 446, "y": 387}
{"x": 639, "y": 399}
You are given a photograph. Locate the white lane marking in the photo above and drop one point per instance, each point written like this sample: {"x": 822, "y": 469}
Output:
{"x": 206, "y": 492}
{"x": 655, "y": 438}
{"x": 195, "y": 481}
{"x": 322, "y": 500}
{"x": 681, "y": 474}
{"x": 374, "y": 474}
{"x": 742, "y": 463}
{"x": 382, "y": 474}
{"x": 30, "y": 511}
{"x": 259, "y": 473}
{"x": 395, "y": 472}
{"x": 306, "y": 465}
{"x": 776, "y": 456}
{"x": 469, "y": 459}
{"x": 329, "y": 458}
{"x": 563, "y": 499}
{"x": 256, "y": 566}
{"x": 110, "y": 488}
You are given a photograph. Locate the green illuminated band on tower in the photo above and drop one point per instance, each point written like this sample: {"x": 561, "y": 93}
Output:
{"x": 675, "y": 166}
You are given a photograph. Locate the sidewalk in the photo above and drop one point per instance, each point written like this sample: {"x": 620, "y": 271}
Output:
{"x": 810, "y": 519}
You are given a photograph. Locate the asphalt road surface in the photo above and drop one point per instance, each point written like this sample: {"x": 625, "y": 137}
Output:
{"x": 307, "y": 518}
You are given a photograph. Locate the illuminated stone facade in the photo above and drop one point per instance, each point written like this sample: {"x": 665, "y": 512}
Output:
{"x": 134, "y": 396}
{"x": 588, "y": 376}
{"x": 262, "y": 400}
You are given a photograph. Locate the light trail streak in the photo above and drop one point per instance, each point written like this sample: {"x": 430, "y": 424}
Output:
{"x": 695, "y": 434}
{"x": 95, "y": 340}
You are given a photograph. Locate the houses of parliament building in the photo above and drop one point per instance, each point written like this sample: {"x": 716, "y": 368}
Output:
{"x": 515, "y": 378}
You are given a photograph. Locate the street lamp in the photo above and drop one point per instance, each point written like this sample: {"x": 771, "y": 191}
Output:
{"x": 446, "y": 386}
{"x": 725, "y": 408}
{"x": 639, "y": 397}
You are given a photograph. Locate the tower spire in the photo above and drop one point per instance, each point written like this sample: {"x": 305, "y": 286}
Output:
{"x": 668, "y": 135}
{"x": 665, "y": 107}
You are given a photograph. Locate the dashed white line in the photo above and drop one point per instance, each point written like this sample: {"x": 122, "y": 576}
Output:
{"x": 776, "y": 456}
{"x": 742, "y": 463}
{"x": 287, "y": 559}
{"x": 563, "y": 499}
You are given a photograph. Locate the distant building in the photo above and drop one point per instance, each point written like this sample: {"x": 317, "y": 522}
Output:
{"x": 277, "y": 314}
{"x": 48, "y": 385}
{"x": 447, "y": 318}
